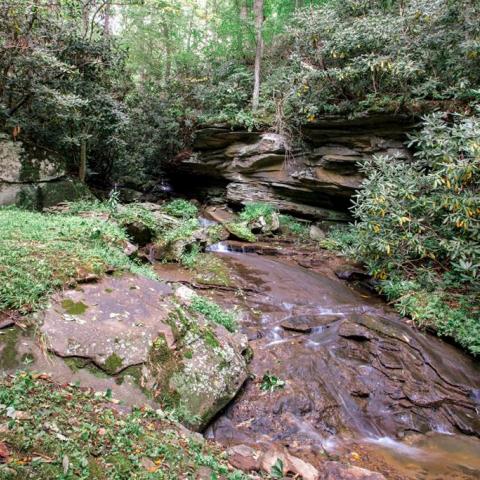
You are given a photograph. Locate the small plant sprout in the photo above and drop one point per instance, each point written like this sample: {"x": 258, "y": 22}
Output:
{"x": 270, "y": 383}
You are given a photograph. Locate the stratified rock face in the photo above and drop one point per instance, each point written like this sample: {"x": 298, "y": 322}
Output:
{"x": 315, "y": 181}
{"x": 133, "y": 324}
{"x": 34, "y": 180}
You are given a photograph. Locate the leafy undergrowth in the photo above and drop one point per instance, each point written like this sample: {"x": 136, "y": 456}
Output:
{"x": 181, "y": 208}
{"x": 418, "y": 229}
{"x": 42, "y": 252}
{"x": 291, "y": 225}
{"x": 252, "y": 212}
{"x": 121, "y": 214}
{"x": 64, "y": 432}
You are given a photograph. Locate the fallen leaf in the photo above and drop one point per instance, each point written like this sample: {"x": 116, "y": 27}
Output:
{"x": 4, "y": 453}
{"x": 65, "y": 464}
{"x": 11, "y": 413}
{"x": 355, "y": 456}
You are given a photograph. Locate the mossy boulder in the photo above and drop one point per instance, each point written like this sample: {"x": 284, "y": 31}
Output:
{"x": 21, "y": 165}
{"x": 206, "y": 369}
{"x": 64, "y": 190}
{"x": 41, "y": 195}
{"x": 240, "y": 231}
{"x": 187, "y": 361}
{"x": 34, "y": 178}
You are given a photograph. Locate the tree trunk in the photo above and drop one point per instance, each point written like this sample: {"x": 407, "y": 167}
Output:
{"x": 168, "y": 50}
{"x": 107, "y": 17}
{"x": 82, "y": 170}
{"x": 259, "y": 18}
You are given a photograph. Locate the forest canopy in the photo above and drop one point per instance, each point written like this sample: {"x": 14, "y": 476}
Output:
{"x": 117, "y": 86}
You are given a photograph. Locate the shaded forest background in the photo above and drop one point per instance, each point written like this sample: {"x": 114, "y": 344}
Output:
{"x": 117, "y": 87}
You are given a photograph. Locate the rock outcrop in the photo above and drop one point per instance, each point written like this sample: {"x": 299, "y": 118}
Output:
{"x": 34, "y": 179}
{"x": 140, "y": 327}
{"x": 316, "y": 180}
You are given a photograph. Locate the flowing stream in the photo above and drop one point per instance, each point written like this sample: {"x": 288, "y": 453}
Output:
{"x": 360, "y": 383}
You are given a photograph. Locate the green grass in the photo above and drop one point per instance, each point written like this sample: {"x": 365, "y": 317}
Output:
{"x": 253, "y": 211}
{"x": 68, "y": 433}
{"x": 181, "y": 209}
{"x": 292, "y": 225}
{"x": 214, "y": 313}
{"x": 43, "y": 252}
{"x": 122, "y": 214}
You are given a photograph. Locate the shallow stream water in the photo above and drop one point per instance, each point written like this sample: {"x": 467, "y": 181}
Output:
{"x": 360, "y": 383}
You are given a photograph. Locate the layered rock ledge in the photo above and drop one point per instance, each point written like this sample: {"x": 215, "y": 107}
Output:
{"x": 315, "y": 179}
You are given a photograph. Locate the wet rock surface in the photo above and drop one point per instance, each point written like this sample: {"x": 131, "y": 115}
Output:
{"x": 355, "y": 374}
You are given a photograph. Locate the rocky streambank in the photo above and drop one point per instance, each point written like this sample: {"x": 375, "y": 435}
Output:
{"x": 302, "y": 372}
{"x": 338, "y": 375}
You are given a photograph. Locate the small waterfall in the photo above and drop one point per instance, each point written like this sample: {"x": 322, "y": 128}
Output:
{"x": 205, "y": 222}
{"x": 225, "y": 247}
{"x": 220, "y": 247}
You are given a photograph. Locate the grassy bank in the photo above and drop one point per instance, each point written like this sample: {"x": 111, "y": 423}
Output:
{"x": 41, "y": 252}
{"x": 64, "y": 432}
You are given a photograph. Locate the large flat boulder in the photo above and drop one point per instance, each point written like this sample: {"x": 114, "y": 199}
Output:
{"x": 34, "y": 178}
{"x": 131, "y": 323}
{"x": 19, "y": 166}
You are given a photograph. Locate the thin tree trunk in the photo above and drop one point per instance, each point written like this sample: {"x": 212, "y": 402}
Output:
{"x": 259, "y": 18}
{"x": 243, "y": 10}
{"x": 82, "y": 170}
{"x": 107, "y": 17}
{"x": 168, "y": 50}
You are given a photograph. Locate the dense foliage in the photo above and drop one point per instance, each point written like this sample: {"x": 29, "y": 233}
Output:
{"x": 128, "y": 98}
{"x": 384, "y": 55}
{"x": 321, "y": 57}
{"x": 59, "y": 81}
{"x": 418, "y": 228}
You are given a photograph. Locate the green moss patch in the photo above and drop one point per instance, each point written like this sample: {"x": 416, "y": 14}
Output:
{"x": 241, "y": 231}
{"x": 113, "y": 364}
{"x": 212, "y": 270}
{"x": 74, "y": 308}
